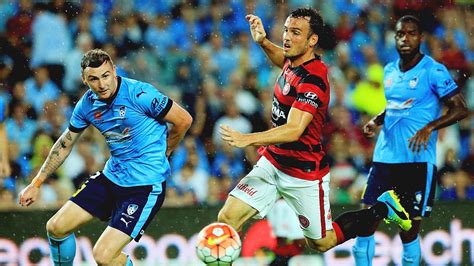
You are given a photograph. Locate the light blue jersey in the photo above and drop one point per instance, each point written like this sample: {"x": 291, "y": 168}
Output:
{"x": 134, "y": 130}
{"x": 414, "y": 98}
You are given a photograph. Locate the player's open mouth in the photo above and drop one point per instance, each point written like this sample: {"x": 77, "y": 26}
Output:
{"x": 286, "y": 46}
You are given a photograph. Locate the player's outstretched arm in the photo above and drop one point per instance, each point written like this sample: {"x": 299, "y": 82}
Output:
{"x": 297, "y": 122}
{"x": 58, "y": 153}
{"x": 181, "y": 121}
{"x": 376, "y": 121}
{"x": 457, "y": 110}
{"x": 273, "y": 51}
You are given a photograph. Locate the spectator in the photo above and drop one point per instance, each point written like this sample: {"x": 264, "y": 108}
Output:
{"x": 40, "y": 89}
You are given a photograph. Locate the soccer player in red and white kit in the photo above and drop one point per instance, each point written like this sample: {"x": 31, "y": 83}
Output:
{"x": 293, "y": 164}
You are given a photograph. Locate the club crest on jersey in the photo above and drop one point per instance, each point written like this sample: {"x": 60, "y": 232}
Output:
{"x": 122, "y": 111}
{"x": 132, "y": 208}
{"x": 412, "y": 83}
{"x": 286, "y": 89}
{"x": 388, "y": 82}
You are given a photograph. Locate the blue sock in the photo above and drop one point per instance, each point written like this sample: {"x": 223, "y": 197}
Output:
{"x": 412, "y": 252}
{"x": 129, "y": 261}
{"x": 364, "y": 250}
{"x": 62, "y": 250}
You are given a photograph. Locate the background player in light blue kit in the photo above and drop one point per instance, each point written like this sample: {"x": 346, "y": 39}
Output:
{"x": 132, "y": 116}
{"x": 416, "y": 87}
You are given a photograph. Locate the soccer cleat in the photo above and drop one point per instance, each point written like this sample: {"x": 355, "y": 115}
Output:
{"x": 396, "y": 212}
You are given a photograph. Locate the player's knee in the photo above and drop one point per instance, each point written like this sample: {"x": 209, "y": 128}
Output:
{"x": 226, "y": 217}
{"x": 318, "y": 246}
{"x": 55, "y": 228}
{"x": 102, "y": 256}
{"x": 321, "y": 245}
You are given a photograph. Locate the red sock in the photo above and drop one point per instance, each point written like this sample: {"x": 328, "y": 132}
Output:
{"x": 339, "y": 235}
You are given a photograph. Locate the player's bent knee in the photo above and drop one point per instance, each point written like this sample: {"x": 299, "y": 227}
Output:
{"x": 55, "y": 228}
{"x": 226, "y": 217}
{"x": 231, "y": 218}
{"x": 322, "y": 245}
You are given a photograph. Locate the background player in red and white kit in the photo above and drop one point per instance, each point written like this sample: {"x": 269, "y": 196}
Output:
{"x": 293, "y": 164}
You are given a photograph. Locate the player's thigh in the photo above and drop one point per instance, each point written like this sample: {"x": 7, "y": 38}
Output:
{"x": 310, "y": 201}
{"x": 416, "y": 188}
{"x": 235, "y": 212}
{"x": 135, "y": 207}
{"x": 381, "y": 178}
{"x": 95, "y": 197}
{"x": 67, "y": 219}
{"x": 254, "y": 195}
{"x": 110, "y": 244}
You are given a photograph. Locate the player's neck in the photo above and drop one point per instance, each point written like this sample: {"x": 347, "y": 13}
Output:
{"x": 409, "y": 61}
{"x": 297, "y": 61}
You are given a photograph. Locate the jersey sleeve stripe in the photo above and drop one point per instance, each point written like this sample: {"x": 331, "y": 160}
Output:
{"x": 75, "y": 129}
{"x": 452, "y": 93}
{"x": 165, "y": 110}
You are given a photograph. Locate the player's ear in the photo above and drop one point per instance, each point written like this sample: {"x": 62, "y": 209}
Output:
{"x": 83, "y": 79}
{"x": 313, "y": 40}
{"x": 114, "y": 69}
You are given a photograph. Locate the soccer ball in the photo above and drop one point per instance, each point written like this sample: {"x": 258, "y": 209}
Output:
{"x": 218, "y": 244}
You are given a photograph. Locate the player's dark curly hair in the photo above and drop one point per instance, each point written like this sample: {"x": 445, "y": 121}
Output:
{"x": 411, "y": 19}
{"x": 315, "y": 20}
{"x": 95, "y": 58}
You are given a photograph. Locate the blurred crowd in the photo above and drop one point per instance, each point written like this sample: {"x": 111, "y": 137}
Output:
{"x": 201, "y": 54}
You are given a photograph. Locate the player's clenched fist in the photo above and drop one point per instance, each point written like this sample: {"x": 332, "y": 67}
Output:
{"x": 369, "y": 129}
{"x": 256, "y": 28}
{"x": 28, "y": 195}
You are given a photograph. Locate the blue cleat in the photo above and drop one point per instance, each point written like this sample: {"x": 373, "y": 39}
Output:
{"x": 396, "y": 212}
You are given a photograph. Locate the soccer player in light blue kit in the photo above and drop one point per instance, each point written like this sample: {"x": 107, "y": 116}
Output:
{"x": 416, "y": 87}
{"x": 132, "y": 116}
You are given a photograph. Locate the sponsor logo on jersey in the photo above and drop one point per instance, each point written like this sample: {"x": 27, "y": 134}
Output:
{"x": 395, "y": 105}
{"x": 245, "y": 188}
{"x": 277, "y": 113}
{"x": 97, "y": 115}
{"x": 309, "y": 97}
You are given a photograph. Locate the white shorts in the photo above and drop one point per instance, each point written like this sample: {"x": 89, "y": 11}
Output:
{"x": 265, "y": 184}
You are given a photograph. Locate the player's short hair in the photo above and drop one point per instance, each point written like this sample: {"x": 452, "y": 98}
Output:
{"x": 95, "y": 58}
{"x": 315, "y": 20}
{"x": 411, "y": 19}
